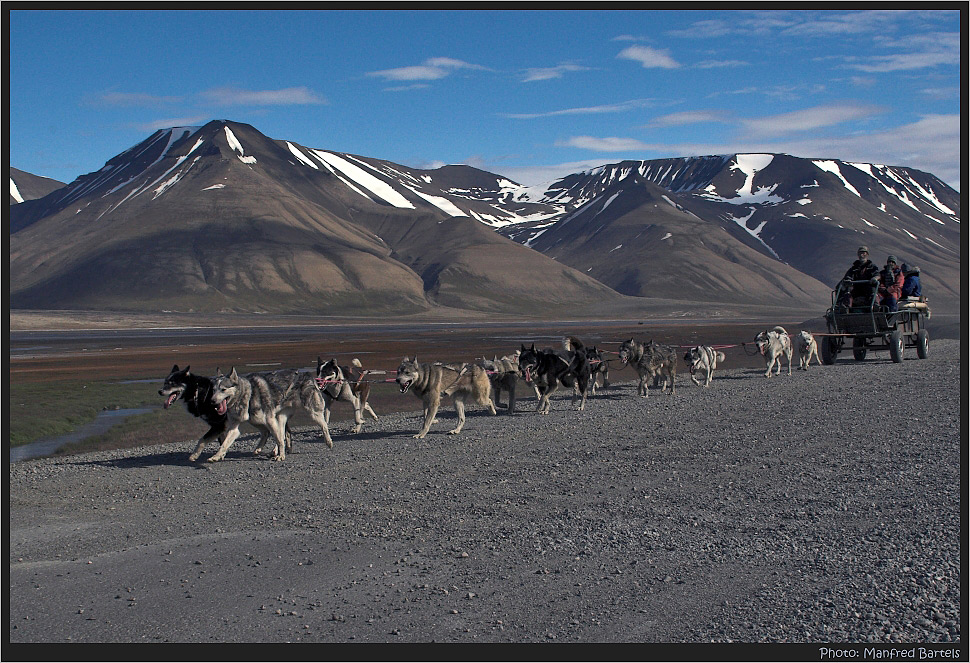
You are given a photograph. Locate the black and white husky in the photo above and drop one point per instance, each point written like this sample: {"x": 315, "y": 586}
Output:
{"x": 345, "y": 383}
{"x": 196, "y": 392}
{"x": 703, "y": 359}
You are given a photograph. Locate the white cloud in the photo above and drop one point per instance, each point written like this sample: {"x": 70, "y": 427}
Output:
{"x": 809, "y": 119}
{"x": 649, "y": 57}
{"x": 587, "y": 110}
{"x": 688, "y": 117}
{"x": 230, "y": 96}
{"x": 430, "y": 70}
{"x": 607, "y": 144}
{"x": 547, "y": 73}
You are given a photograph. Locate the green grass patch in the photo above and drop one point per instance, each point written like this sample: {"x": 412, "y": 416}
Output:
{"x": 39, "y": 410}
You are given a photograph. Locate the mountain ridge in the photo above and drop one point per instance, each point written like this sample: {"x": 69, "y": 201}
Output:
{"x": 744, "y": 229}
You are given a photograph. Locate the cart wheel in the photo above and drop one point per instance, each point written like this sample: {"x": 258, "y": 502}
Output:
{"x": 829, "y": 350}
{"x": 859, "y": 348}
{"x": 922, "y": 343}
{"x": 896, "y": 346}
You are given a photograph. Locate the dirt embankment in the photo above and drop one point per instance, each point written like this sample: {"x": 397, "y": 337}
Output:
{"x": 820, "y": 507}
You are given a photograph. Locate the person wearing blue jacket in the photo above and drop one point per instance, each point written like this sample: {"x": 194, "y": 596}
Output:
{"x": 911, "y": 285}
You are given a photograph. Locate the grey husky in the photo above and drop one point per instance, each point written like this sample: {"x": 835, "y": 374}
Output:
{"x": 267, "y": 401}
{"x": 503, "y": 373}
{"x": 703, "y": 358}
{"x": 650, "y": 359}
{"x": 430, "y": 382}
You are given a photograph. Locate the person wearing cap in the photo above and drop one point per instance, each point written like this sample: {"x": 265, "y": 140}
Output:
{"x": 862, "y": 269}
{"x": 890, "y": 284}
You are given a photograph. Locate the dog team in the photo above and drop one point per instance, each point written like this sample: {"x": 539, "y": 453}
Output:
{"x": 267, "y": 400}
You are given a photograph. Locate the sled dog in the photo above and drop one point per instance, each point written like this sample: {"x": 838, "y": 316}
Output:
{"x": 503, "y": 373}
{"x": 773, "y": 344}
{"x": 345, "y": 383}
{"x": 430, "y": 382}
{"x": 650, "y": 359}
{"x": 196, "y": 391}
{"x": 267, "y": 400}
{"x": 703, "y": 358}
{"x": 807, "y": 347}
{"x": 547, "y": 369}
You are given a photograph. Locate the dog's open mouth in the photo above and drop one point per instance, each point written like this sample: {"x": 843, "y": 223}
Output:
{"x": 405, "y": 385}
{"x": 222, "y": 406}
{"x": 171, "y": 399}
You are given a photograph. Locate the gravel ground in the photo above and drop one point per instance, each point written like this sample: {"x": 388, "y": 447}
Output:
{"x": 821, "y": 507}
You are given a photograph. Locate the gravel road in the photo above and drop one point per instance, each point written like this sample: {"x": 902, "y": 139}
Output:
{"x": 821, "y": 507}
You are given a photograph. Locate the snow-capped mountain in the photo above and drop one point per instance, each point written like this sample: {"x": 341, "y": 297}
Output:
{"x": 222, "y": 217}
{"x": 27, "y": 186}
{"x": 808, "y": 214}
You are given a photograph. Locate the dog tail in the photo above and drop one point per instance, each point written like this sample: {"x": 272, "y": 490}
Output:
{"x": 356, "y": 362}
{"x": 720, "y": 357}
{"x": 572, "y": 344}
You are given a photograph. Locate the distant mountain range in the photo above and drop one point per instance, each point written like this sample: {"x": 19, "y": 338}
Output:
{"x": 223, "y": 218}
{"x": 26, "y": 186}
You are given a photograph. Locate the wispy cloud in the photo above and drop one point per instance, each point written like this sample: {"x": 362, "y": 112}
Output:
{"x": 607, "y": 144}
{"x": 587, "y": 110}
{"x": 809, "y": 119}
{"x": 291, "y": 96}
{"x": 684, "y": 118}
{"x": 649, "y": 57}
{"x": 716, "y": 64}
{"x": 430, "y": 70}
{"x": 547, "y": 73}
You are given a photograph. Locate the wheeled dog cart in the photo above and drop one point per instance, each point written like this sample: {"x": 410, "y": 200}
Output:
{"x": 873, "y": 327}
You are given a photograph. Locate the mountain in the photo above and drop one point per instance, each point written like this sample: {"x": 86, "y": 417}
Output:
{"x": 26, "y": 186}
{"x": 748, "y": 226}
{"x": 223, "y": 218}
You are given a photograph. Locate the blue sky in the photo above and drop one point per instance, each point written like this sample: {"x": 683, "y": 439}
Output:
{"x": 532, "y": 95}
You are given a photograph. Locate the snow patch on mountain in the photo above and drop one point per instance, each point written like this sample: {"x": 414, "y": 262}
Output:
{"x": 15, "y": 192}
{"x": 833, "y": 167}
{"x": 237, "y": 147}
{"x": 378, "y": 187}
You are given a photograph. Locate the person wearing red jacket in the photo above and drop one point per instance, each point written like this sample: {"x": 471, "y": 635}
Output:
{"x": 891, "y": 284}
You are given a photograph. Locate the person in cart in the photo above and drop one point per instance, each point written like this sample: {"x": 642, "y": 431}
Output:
{"x": 911, "y": 285}
{"x": 890, "y": 285}
{"x": 862, "y": 269}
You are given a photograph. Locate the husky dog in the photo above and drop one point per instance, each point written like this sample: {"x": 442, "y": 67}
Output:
{"x": 196, "y": 391}
{"x": 703, "y": 358}
{"x": 548, "y": 369}
{"x": 597, "y": 365}
{"x": 503, "y": 373}
{"x": 432, "y": 381}
{"x": 773, "y": 344}
{"x": 807, "y": 346}
{"x": 650, "y": 359}
{"x": 267, "y": 401}
{"x": 345, "y": 383}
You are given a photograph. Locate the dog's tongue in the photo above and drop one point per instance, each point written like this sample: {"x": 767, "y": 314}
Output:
{"x": 221, "y": 407}
{"x": 170, "y": 400}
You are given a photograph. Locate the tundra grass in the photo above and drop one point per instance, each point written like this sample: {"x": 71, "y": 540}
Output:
{"x": 39, "y": 410}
